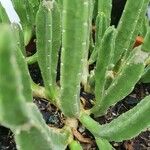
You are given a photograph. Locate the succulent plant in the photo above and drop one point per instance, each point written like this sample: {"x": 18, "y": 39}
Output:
{"x": 63, "y": 28}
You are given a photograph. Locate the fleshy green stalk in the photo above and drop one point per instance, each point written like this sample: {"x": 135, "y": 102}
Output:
{"x": 74, "y": 43}
{"x": 131, "y": 71}
{"x": 48, "y": 45}
{"x": 127, "y": 27}
{"x": 104, "y": 56}
{"x": 124, "y": 127}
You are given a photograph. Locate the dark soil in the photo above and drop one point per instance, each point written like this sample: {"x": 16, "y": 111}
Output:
{"x": 52, "y": 116}
{"x": 6, "y": 139}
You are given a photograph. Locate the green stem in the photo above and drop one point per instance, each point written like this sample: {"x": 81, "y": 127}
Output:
{"x": 74, "y": 43}
{"x": 89, "y": 123}
{"x": 32, "y": 59}
{"x": 74, "y": 145}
